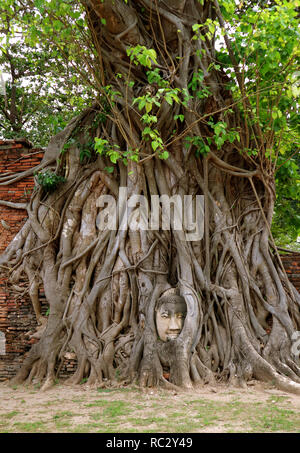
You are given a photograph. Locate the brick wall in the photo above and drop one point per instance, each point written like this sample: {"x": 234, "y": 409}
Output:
{"x": 291, "y": 264}
{"x": 15, "y": 157}
{"x": 17, "y": 317}
{"x": 16, "y": 320}
{"x": 16, "y": 313}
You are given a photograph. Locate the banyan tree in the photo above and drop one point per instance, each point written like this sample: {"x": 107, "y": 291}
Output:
{"x": 174, "y": 119}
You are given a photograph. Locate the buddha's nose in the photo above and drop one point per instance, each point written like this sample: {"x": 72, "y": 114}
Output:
{"x": 174, "y": 324}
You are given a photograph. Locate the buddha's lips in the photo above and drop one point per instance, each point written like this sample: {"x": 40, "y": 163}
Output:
{"x": 173, "y": 335}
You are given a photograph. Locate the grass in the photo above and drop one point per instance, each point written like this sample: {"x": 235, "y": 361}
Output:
{"x": 275, "y": 419}
{"x": 52, "y": 402}
{"x": 116, "y": 410}
{"x": 277, "y": 399}
{"x": 63, "y": 425}
{"x": 85, "y": 428}
{"x": 78, "y": 400}
{"x": 30, "y": 427}
{"x": 111, "y": 408}
{"x": 63, "y": 414}
{"x": 9, "y": 415}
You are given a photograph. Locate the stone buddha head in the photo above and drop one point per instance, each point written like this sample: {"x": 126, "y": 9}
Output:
{"x": 170, "y": 313}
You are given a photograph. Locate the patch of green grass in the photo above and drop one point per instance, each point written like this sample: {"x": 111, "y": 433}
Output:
{"x": 83, "y": 381}
{"x": 97, "y": 403}
{"x": 139, "y": 407}
{"x": 85, "y": 428}
{"x": 150, "y": 420}
{"x": 235, "y": 403}
{"x": 62, "y": 424}
{"x": 109, "y": 429}
{"x": 207, "y": 419}
{"x": 9, "y": 415}
{"x": 96, "y": 416}
{"x": 261, "y": 417}
{"x": 50, "y": 403}
{"x": 129, "y": 430}
{"x": 120, "y": 407}
{"x": 116, "y": 409}
{"x": 273, "y": 418}
{"x": 157, "y": 405}
{"x": 62, "y": 419}
{"x": 236, "y": 408}
{"x": 177, "y": 414}
{"x": 184, "y": 427}
{"x": 110, "y": 411}
{"x": 197, "y": 401}
{"x": 30, "y": 427}
{"x": 5, "y": 428}
{"x": 277, "y": 399}
{"x": 139, "y": 421}
{"x": 63, "y": 414}
{"x": 203, "y": 403}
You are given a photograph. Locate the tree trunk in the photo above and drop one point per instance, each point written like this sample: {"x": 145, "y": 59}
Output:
{"x": 103, "y": 285}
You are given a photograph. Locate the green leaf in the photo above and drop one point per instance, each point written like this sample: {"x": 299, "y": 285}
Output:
{"x": 179, "y": 117}
{"x": 114, "y": 156}
{"x": 148, "y": 107}
{"x": 155, "y": 145}
{"x": 142, "y": 104}
{"x": 164, "y": 155}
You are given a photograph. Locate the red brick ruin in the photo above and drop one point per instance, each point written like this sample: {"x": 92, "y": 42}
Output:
{"x": 17, "y": 318}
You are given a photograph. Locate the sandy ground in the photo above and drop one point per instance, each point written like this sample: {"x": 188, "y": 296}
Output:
{"x": 208, "y": 409}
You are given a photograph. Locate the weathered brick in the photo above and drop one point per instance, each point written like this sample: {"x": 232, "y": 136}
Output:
{"x": 17, "y": 316}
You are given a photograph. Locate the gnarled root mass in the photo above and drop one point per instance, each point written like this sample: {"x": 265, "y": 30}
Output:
{"x": 102, "y": 283}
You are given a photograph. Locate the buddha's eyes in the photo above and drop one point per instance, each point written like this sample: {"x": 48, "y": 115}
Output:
{"x": 165, "y": 315}
{"x": 177, "y": 315}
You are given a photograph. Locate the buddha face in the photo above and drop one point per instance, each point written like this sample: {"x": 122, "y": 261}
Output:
{"x": 170, "y": 315}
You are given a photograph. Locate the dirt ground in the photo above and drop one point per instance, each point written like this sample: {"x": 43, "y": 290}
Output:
{"x": 219, "y": 409}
